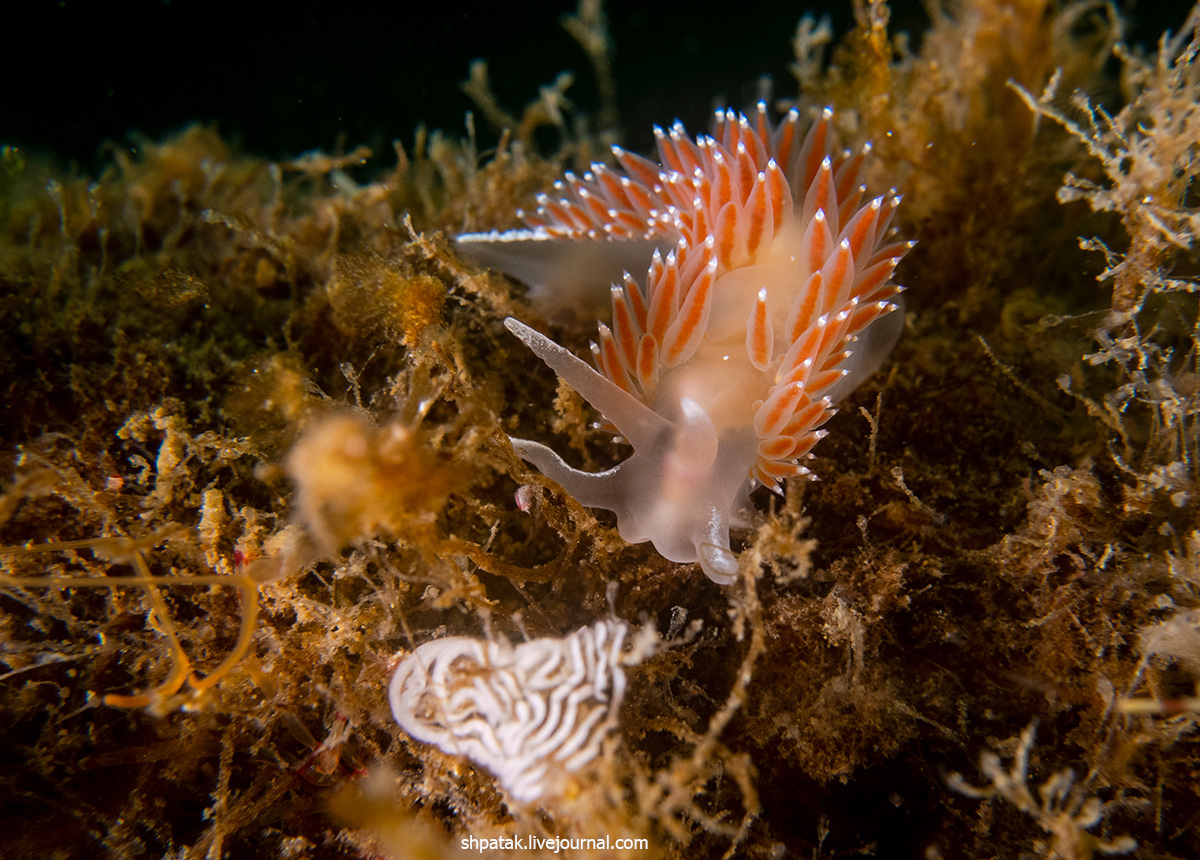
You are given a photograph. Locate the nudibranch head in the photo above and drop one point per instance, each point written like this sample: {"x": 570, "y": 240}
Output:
{"x": 772, "y": 301}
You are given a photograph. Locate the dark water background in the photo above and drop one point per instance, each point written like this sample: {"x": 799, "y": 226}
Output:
{"x": 281, "y": 79}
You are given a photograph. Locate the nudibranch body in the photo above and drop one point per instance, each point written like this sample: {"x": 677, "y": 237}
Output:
{"x": 774, "y": 300}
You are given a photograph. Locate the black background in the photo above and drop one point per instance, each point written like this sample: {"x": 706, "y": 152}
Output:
{"x": 281, "y": 79}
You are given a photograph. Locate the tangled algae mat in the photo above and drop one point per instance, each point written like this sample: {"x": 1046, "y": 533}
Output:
{"x": 256, "y": 419}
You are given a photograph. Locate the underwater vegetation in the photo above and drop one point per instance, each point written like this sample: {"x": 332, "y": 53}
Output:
{"x": 277, "y": 582}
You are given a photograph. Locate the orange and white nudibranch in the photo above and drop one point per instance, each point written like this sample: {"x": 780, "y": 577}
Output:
{"x": 774, "y": 300}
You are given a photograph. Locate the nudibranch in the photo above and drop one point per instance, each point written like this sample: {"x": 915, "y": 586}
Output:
{"x": 529, "y": 713}
{"x": 774, "y": 298}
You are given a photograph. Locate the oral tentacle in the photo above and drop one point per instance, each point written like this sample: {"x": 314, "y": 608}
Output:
{"x": 590, "y": 489}
{"x": 637, "y": 422}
